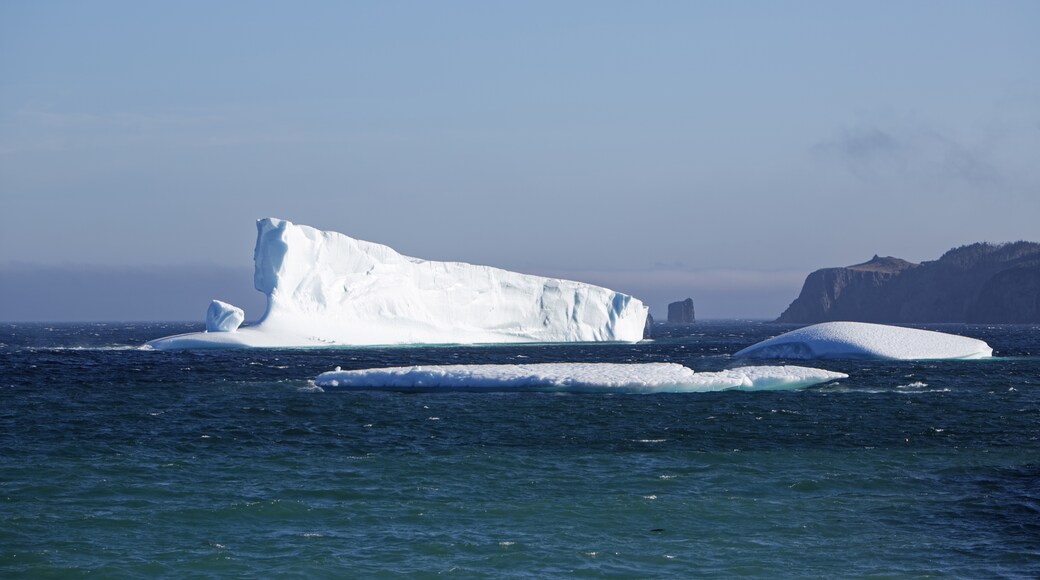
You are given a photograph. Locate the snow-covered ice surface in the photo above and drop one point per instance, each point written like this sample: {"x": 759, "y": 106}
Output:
{"x": 223, "y": 317}
{"x": 576, "y": 377}
{"x": 325, "y": 288}
{"x": 868, "y": 341}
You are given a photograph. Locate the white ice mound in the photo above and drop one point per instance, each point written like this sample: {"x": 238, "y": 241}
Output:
{"x": 223, "y": 317}
{"x": 867, "y": 341}
{"x": 325, "y": 288}
{"x": 576, "y": 377}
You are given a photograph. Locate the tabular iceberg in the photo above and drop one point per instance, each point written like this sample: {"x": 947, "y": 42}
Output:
{"x": 868, "y": 341}
{"x": 576, "y": 377}
{"x": 326, "y": 288}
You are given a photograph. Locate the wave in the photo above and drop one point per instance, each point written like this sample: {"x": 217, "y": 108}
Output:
{"x": 109, "y": 347}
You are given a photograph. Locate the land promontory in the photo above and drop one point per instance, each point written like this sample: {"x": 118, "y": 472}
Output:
{"x": 991, "y": 283}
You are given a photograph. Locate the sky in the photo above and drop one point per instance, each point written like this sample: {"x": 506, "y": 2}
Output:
{"x": 669, "y": 149}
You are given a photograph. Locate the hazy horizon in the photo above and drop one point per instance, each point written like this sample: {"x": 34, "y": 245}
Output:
{"x": 41, "y": 293}
{"x": 674, "y": 149}
{"x": 92, "y": 293}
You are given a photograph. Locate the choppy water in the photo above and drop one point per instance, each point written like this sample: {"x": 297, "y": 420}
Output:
{"x": 120, "y": 462}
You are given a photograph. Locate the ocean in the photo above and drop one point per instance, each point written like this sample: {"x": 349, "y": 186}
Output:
{"x": 120, "y": 462}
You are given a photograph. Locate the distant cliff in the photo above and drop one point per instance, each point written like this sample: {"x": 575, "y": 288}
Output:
{"x": 974, "y": 283}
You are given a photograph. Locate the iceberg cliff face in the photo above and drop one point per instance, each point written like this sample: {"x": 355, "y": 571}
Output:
{"x": 325, "y": 288}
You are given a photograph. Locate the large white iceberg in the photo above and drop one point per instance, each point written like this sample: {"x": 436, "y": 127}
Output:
{"x": 576, "y": 377}
{"x": 325, "y": 288}
{"x": 868, "y": 341}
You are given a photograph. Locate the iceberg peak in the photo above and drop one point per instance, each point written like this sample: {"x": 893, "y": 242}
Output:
{"x": 223, "y": 317}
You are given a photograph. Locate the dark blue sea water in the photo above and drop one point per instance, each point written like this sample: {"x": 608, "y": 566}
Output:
{"x": 119, "y": 462}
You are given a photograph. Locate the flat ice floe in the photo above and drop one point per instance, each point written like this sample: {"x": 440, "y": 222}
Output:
{"x": 577, "y": 377}
{"x": 866, "y": 341}
{"x": 326, "y": 289}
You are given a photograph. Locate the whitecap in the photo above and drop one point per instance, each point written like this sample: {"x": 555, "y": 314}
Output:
{"x": 108, "y": 347}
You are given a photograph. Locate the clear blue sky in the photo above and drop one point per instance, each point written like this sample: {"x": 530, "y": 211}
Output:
{"x": 693, "y": 144}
